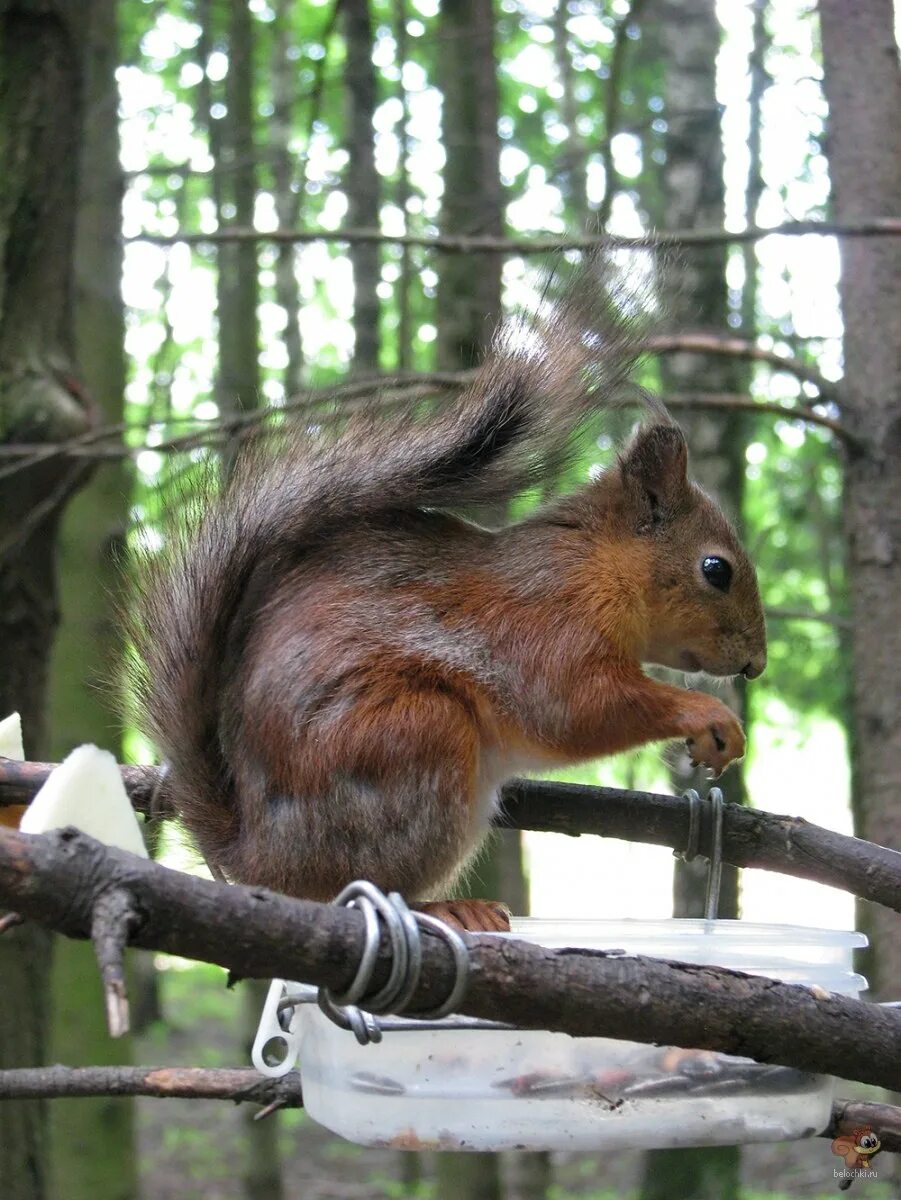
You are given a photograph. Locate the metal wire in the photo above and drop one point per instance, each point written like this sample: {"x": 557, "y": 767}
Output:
{"x": 403, "y": 928}
{"x": 715, "y": 855}
{"x": 715, "y": 861}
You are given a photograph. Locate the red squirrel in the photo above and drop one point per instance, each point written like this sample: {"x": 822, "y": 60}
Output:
{"x": 340, "y": 672}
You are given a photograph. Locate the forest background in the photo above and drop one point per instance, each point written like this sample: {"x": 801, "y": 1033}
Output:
{"x": 211, "y": 209}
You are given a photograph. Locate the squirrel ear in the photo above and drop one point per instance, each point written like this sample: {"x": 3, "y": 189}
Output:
{"x": 654, "y": 466}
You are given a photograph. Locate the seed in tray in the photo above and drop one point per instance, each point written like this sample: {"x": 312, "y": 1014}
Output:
{"x": 575, "y": 1085}
{"x": 665, "y": 1085}
{"x": 379, "y": 1085}
{"x": 535, "y": 1081}
{"x": 690, "y": 1062}
{"x": 612, "y": 1079}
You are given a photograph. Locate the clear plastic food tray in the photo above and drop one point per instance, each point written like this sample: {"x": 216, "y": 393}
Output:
{"x": 450, "y": 1088}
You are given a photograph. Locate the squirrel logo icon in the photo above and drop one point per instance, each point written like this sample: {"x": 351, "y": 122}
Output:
{"x": 858, "y": 1147}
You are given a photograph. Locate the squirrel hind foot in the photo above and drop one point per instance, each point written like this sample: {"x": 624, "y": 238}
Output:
{"x": 471, "y": 916}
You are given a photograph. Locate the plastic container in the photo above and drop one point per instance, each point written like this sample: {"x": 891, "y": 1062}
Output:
{"x": 493, "y": 1089}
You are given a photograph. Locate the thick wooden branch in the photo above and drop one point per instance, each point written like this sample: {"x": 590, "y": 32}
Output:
{"x": 56, "y": 878}
{"x": 751, "y": 837}
{"x": 242, "y": 1084}
{"x": 447, "y": 244}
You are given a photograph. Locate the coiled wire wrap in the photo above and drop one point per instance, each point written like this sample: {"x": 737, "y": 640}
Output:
{"x": 353, "y": 1009}
{"x": 715, "y": 857}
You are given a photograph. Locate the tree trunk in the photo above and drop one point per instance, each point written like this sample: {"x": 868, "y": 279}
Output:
{"x": 92, "y": 1151}
{"x": 403, "y": 356}
{"x": 469, "y": 293}
{"x": 41, "y": 85}
{"x": 286, "y": 190}
{"x": 363, "y": 184}
{"x": 469, "y": 304}
{"x": 693, "y": 195}
{"x": 573, "y": 157}
{"x": 233, "y": 149}
{"x": 863, "y": 89}
{"x": 238, "y": 388}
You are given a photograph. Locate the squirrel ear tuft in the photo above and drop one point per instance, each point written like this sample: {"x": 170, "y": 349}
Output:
{"x": 655, "y": 467}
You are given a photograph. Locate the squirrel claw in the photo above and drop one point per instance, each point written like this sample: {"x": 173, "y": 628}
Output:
{"x": 717, "y": 739}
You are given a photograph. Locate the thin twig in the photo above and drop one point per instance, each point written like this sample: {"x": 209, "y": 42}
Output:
{"x": 732, "y": 347}
{"x": 10, "y": 920}
{"x": 393, "y": 390}
{"x": 798, "y": 614}
{"x": 113, "y": 919}
{"x": 70, "y": 481}
{"x": 270, "y": 1108}
{"x": 451, "y": 244}
{"x": 243, "y": 1085}
{"x": 237, "y": 1084}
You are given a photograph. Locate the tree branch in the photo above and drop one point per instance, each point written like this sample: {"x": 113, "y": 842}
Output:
{"x": 751, "y": 837}
{"x": 800, "y": 614}
{"x": 732, "y": 347}
{"x": 242, "y": 1084}
{"x": 448, "y": 244}
{"x": 56, "y": 878}
{"x": 107, "y": 444}
{"x": 188, "y": 1083}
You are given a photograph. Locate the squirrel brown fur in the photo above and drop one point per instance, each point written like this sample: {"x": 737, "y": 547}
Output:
{"x": 340, "y": 673}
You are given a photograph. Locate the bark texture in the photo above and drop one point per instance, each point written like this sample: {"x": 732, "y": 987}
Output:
{"x": 469, "y": 289}
{"x": 232, "y": 145}
{"x": 87, "y": 652}
{"x": 286, "y": 189}
{"x": 41, "y": 65}
{"x": 57, "y": 879}
{"x": 863, "y": 89}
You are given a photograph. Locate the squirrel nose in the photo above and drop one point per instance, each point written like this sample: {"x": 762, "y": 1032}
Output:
{"x": 754, "y": 667}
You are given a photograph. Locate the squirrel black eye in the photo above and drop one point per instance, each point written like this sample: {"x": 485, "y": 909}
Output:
{"x": 717, "y": 572}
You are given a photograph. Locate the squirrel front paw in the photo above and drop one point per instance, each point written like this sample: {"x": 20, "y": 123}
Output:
{"x": 716, "y": 738}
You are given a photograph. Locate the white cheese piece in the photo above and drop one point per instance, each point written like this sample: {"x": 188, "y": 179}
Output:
{"x": 86, "y": 791}
{"x": 11, "y": 738}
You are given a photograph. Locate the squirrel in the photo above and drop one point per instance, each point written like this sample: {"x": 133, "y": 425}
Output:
{"x": 340, "y": 671}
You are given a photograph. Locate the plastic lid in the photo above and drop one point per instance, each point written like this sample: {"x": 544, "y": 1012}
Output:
{"x": 793, "y": 953}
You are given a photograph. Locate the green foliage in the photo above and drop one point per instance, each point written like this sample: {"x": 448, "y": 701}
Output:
{"x": 794, "y": 516}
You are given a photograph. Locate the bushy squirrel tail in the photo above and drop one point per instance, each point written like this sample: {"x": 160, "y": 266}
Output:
{"x": 515, "y": 426}
{"x": 546, "y": 377}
